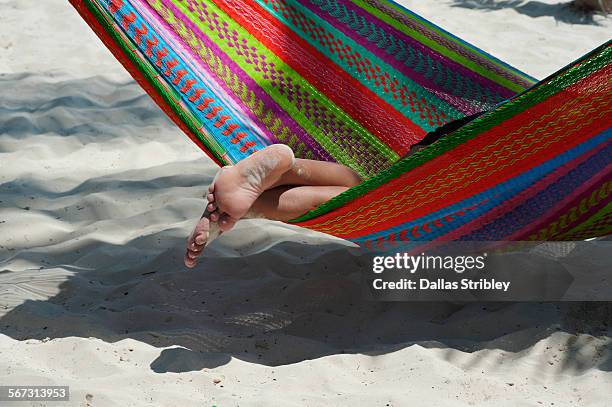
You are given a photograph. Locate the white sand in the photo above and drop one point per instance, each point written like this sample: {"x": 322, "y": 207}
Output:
{"x": 98, "y": 192}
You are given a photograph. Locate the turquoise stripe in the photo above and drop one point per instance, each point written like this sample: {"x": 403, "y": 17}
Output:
{"x": 509, "y": 68}
{"x": 362, "y": 77}
{"x": 232, "y": 150}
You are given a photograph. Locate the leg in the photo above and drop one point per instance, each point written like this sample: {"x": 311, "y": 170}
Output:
{"x": 237, "y": 189}
{"x": 319, "y": 173}
{"x": 239, "y": 186}
{"x": 286, "y": 203}
{"x": 281, "y": 203}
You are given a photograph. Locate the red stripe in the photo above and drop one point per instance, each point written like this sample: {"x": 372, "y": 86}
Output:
{"x": 458, "y": 194}
{"x": 523, "y": 196}
{"x": 565, "y": 140}
{"x": 276, "y": 34}
{"x": 118, "y": 52}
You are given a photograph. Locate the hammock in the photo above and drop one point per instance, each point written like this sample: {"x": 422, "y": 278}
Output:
{"x": 358, "y": 82}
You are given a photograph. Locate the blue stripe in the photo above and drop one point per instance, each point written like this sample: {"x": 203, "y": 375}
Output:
{"x": 490, "y": 198}
{"x": 232, "y": 150}
{"x": 537, "y": 205}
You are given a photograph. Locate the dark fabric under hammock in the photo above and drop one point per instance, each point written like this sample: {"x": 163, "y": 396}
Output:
{"x": 359, "y": 82}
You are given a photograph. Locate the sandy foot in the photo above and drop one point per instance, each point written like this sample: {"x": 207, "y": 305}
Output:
{"x": 237, "y": 187}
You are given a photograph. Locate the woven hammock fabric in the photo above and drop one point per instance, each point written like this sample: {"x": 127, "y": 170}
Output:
{"x": 358, "y": 82}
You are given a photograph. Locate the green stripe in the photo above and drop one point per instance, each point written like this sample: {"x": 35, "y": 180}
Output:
{"x": 337, "y": 152}
{"x": 396, "y": 103}
{"x": 473, "y": 66}
{"x": 590, "y": 222}
{"x": 467, "y": 46}
{"x": 149, "y": 73}
{"x": 585, "y": 66}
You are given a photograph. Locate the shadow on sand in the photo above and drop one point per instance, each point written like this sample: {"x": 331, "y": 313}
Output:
{"x": 275, "y": 305}
{"x": 281, "y": 306}
{"x": 565, "y": 12}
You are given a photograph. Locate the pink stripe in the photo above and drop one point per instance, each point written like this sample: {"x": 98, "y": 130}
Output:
{"x": 564, "y": 206}
{"x": 194, "y": 61}
{"x": 520, "y": 199}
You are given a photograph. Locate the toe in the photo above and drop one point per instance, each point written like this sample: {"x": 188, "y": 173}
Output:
{"x": 197, "y": 241}
{"x": 202, "y": 226}
{"x": 200, "y": 240}
{"x": 214, "y": 217}
{"x": 193, "y": 255}
{"x": 191, "y": 242}
{"x": 196, "y": 247}
{"x": 189, "y": 262}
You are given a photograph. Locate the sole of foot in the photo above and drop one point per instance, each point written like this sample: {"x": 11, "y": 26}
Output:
{"x": 237, "y": 187}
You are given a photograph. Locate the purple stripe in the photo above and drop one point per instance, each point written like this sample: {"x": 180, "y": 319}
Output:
{"x": 167, "y": 31}
{"x": 401, "y": 67}
{"x": 451, "y": 45}
{"x": 463, "y": 105}
{"x": 539, "y": 205}
{"x": 269, "y": 103}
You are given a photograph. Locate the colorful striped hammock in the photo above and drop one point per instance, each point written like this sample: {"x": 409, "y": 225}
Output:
{"x": 360, "y": 81}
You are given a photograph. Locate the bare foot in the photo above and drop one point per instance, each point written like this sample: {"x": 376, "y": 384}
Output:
{"x": 197, "y": 241}
{"x": 205, "y": 231}
{"x": 238, "y": 186}
{"x": 232, "y": 193}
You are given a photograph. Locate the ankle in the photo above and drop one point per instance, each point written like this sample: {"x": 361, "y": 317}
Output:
{"x": 285, "y": 155}
{"x": 265, "y": 167}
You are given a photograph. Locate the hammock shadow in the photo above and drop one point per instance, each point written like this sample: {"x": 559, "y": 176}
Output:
{"x": 178, "y": 360}
{"x": 94, "y": 109}
{"x": 564, "y": 12}
{"x": 282, "y": 305}
{"x": 271, "y": 304}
